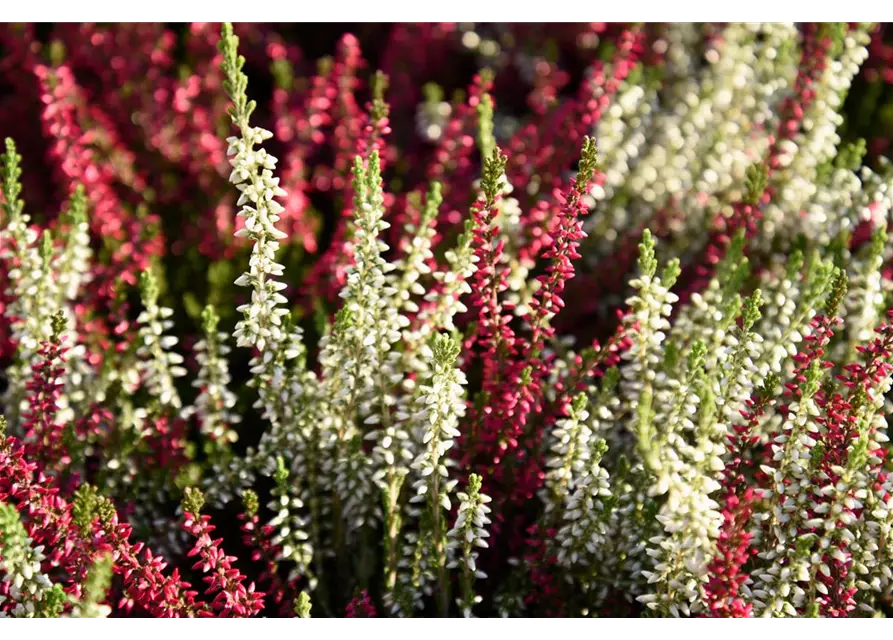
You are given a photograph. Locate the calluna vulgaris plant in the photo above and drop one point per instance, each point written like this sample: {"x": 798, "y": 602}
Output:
{"x": 605, "y": 330}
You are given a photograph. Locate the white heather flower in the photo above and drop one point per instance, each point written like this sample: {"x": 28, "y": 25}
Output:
{"x": 359, "y": 367}
{"x": 469, "y": 533}
{"x": 711, "y": 312}
{"x": 584, "y": 523}
{"x": 817, "y": 143}
{"x": 648, "y": 327}
{"x": 441, "y": 404}
{"x": 413, "y": 264}
{"x": 289, "y": 526}
{"x": 21, "y": 566}
{"x": 778, "y": 588}
{"x": 262, "y": 325}
{"x": 630, "y": 525}
{"x": 446, "y": 303}
{"x": 158, "y": 365}
{"x": 864, "y": 304}
{"x": 215, "y": 402}
{"x": 33, "y": 290}
{"x": 790, "y": 306}
{"x": 252, "y": 174}
{"x": 73, "y": 262}
{"x": 72, "y": 268}
{"x": 432, "y": 116}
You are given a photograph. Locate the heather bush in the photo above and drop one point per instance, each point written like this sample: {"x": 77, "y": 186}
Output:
{"x": 605, "y": 329}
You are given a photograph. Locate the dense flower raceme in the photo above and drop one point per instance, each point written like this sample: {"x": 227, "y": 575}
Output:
{"x": 600, "y": 329}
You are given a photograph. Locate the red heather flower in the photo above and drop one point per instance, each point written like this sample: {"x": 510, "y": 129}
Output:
{"x": 547, "y": 300}
{"x": 841, "y": 421}
{"x": 306, "y": 133}
{"x": 453, "y": 159}
{"x": 732, "y": 553}
{"x": 49, "y": 522}
{"x": 525, "y": 378}
{"x": 258, "y": 537}
{"x": 360, "y": 607}
{"x": 596, "y": 95}
{"x": 548, "y": 80}
{"x": 493, "y": 334}
{"x": 348, "y": 119}
{"x": 813, "y": 61}
{"x": 145, "y": 585}
{"x": 812, "y": 349}
{"x": 168, "y": 443}
{"x": 117, "y": 56}
{"x": 545, "y": 146}
{"x": 300, "y": 117}
{"x": 877, "y": 367}
{"x": 545, "y": 590}
{"x": 42, "y": 436}
{"x": 232, "y": 598}
{"x": 733, "y": 546}
{"x": 46, "y": 516}
{"x": 76, "y": 163}
{"x": 841, "y": 429}
{"x": 355, "y": 133}
{"x": 589, "y": 291}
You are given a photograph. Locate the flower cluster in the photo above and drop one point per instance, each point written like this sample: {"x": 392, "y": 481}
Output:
{"x": 608, "y": 332}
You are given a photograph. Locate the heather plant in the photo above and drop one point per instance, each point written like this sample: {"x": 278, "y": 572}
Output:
{"x": 608, "y": 332}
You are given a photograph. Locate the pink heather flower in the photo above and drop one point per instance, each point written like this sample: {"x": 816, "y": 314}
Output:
{"x": 49, "y": 522}
{"x": 145, "y": 585}
{"x": 839, "y": 440}
{"x": 733, "y": 548}
{"x": 545, "y": 591}
{"x": 77, "y": 165}
{"x": 813, "y": 60}
{"x": 258, "y": 537}
{"x": 524, "y": 379}
{"x": 355, "y": 134}
{"x": 225, "y": 583}
{"x": 453, "y": 157}
{"x": 42, "y": 436}
{"x": 360, "y": 607}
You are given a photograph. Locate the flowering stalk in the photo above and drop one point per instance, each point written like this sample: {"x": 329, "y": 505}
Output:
{"x": 651, "y": 306}
{"x": 232, "y": 597}
{"x": 252, "y": 174}
{"x": 32, "y": 286}
{"x": 777, "y": 592}
{"x": 733, "y": 548}
{"x": 360, "y": 607}
{"x": 31, "y": 592}
{"x": 290, "y": 538}
{"x": 259, "y": 538}
{"x": 42, "y": 435}
{"x": 441, "y": 406}
{"x": 469, "y": 533}
{"x": 96, "y": 587}
{"x": 158, "y": 365}
{"x": 547, "y": 300}
{"x": 215, "y": 402}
